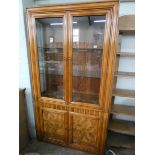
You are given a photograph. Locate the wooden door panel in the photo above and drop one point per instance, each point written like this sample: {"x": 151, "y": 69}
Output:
{"x": 84, "y": 131}
{"x": 55, "y": 126}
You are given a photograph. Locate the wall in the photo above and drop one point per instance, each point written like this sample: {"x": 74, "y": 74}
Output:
{"x": 127, "y": 45}
{"x": 24, "y": 74}
{"x": 47, "y": 2}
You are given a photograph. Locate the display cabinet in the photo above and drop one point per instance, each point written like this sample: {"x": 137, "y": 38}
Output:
{"x": 72, "y": 51}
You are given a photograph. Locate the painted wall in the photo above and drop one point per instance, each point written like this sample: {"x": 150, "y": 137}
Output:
{"x": 24, "y": 74}
{"x": 47, "y": 2}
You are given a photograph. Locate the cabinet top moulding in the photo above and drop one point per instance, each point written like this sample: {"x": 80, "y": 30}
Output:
{"x": 78, "y": 6}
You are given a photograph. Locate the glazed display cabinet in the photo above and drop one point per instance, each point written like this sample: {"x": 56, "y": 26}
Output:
{"x": 72, "y": 51}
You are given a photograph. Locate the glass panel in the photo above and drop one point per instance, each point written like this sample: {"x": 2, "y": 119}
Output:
{"x": 50, "y": 48}
{"x": 88, "y": 37}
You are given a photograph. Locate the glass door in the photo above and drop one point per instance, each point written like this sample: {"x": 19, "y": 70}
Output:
{"x": 87, "y": 55}
{"x": 51, "y": 52}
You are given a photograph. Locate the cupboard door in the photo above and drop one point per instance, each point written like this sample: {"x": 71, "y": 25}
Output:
{"x": 55, "y": 126}
{"x": 87, "y": 56}
{"x": 51, "y": 44}
{"x": 84, "y": 132}
{"x": 51, "y": 52}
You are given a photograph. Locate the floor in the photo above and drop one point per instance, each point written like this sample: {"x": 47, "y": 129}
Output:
{"x": 121, "y": 151}
{"x": 40, "y": 148}
{"x": 36, "y": 147}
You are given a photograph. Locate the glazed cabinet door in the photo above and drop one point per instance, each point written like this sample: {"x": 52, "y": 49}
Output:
{"x": 51, "y": 47}
{"x": 51, "y": 54}
{"x": 87, "y": 34}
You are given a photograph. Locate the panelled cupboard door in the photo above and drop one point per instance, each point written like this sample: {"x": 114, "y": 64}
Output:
{"x": 55, "y": 126}
{"x": 84, "y": 130}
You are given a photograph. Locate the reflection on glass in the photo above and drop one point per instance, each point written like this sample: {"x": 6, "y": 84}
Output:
{"x": 50, "y": 51}
{"x": 88, "y": 37}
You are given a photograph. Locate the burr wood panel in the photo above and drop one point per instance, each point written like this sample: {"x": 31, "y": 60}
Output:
{"x": 84, "y": 131}
{"x": 55, "y": 126}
